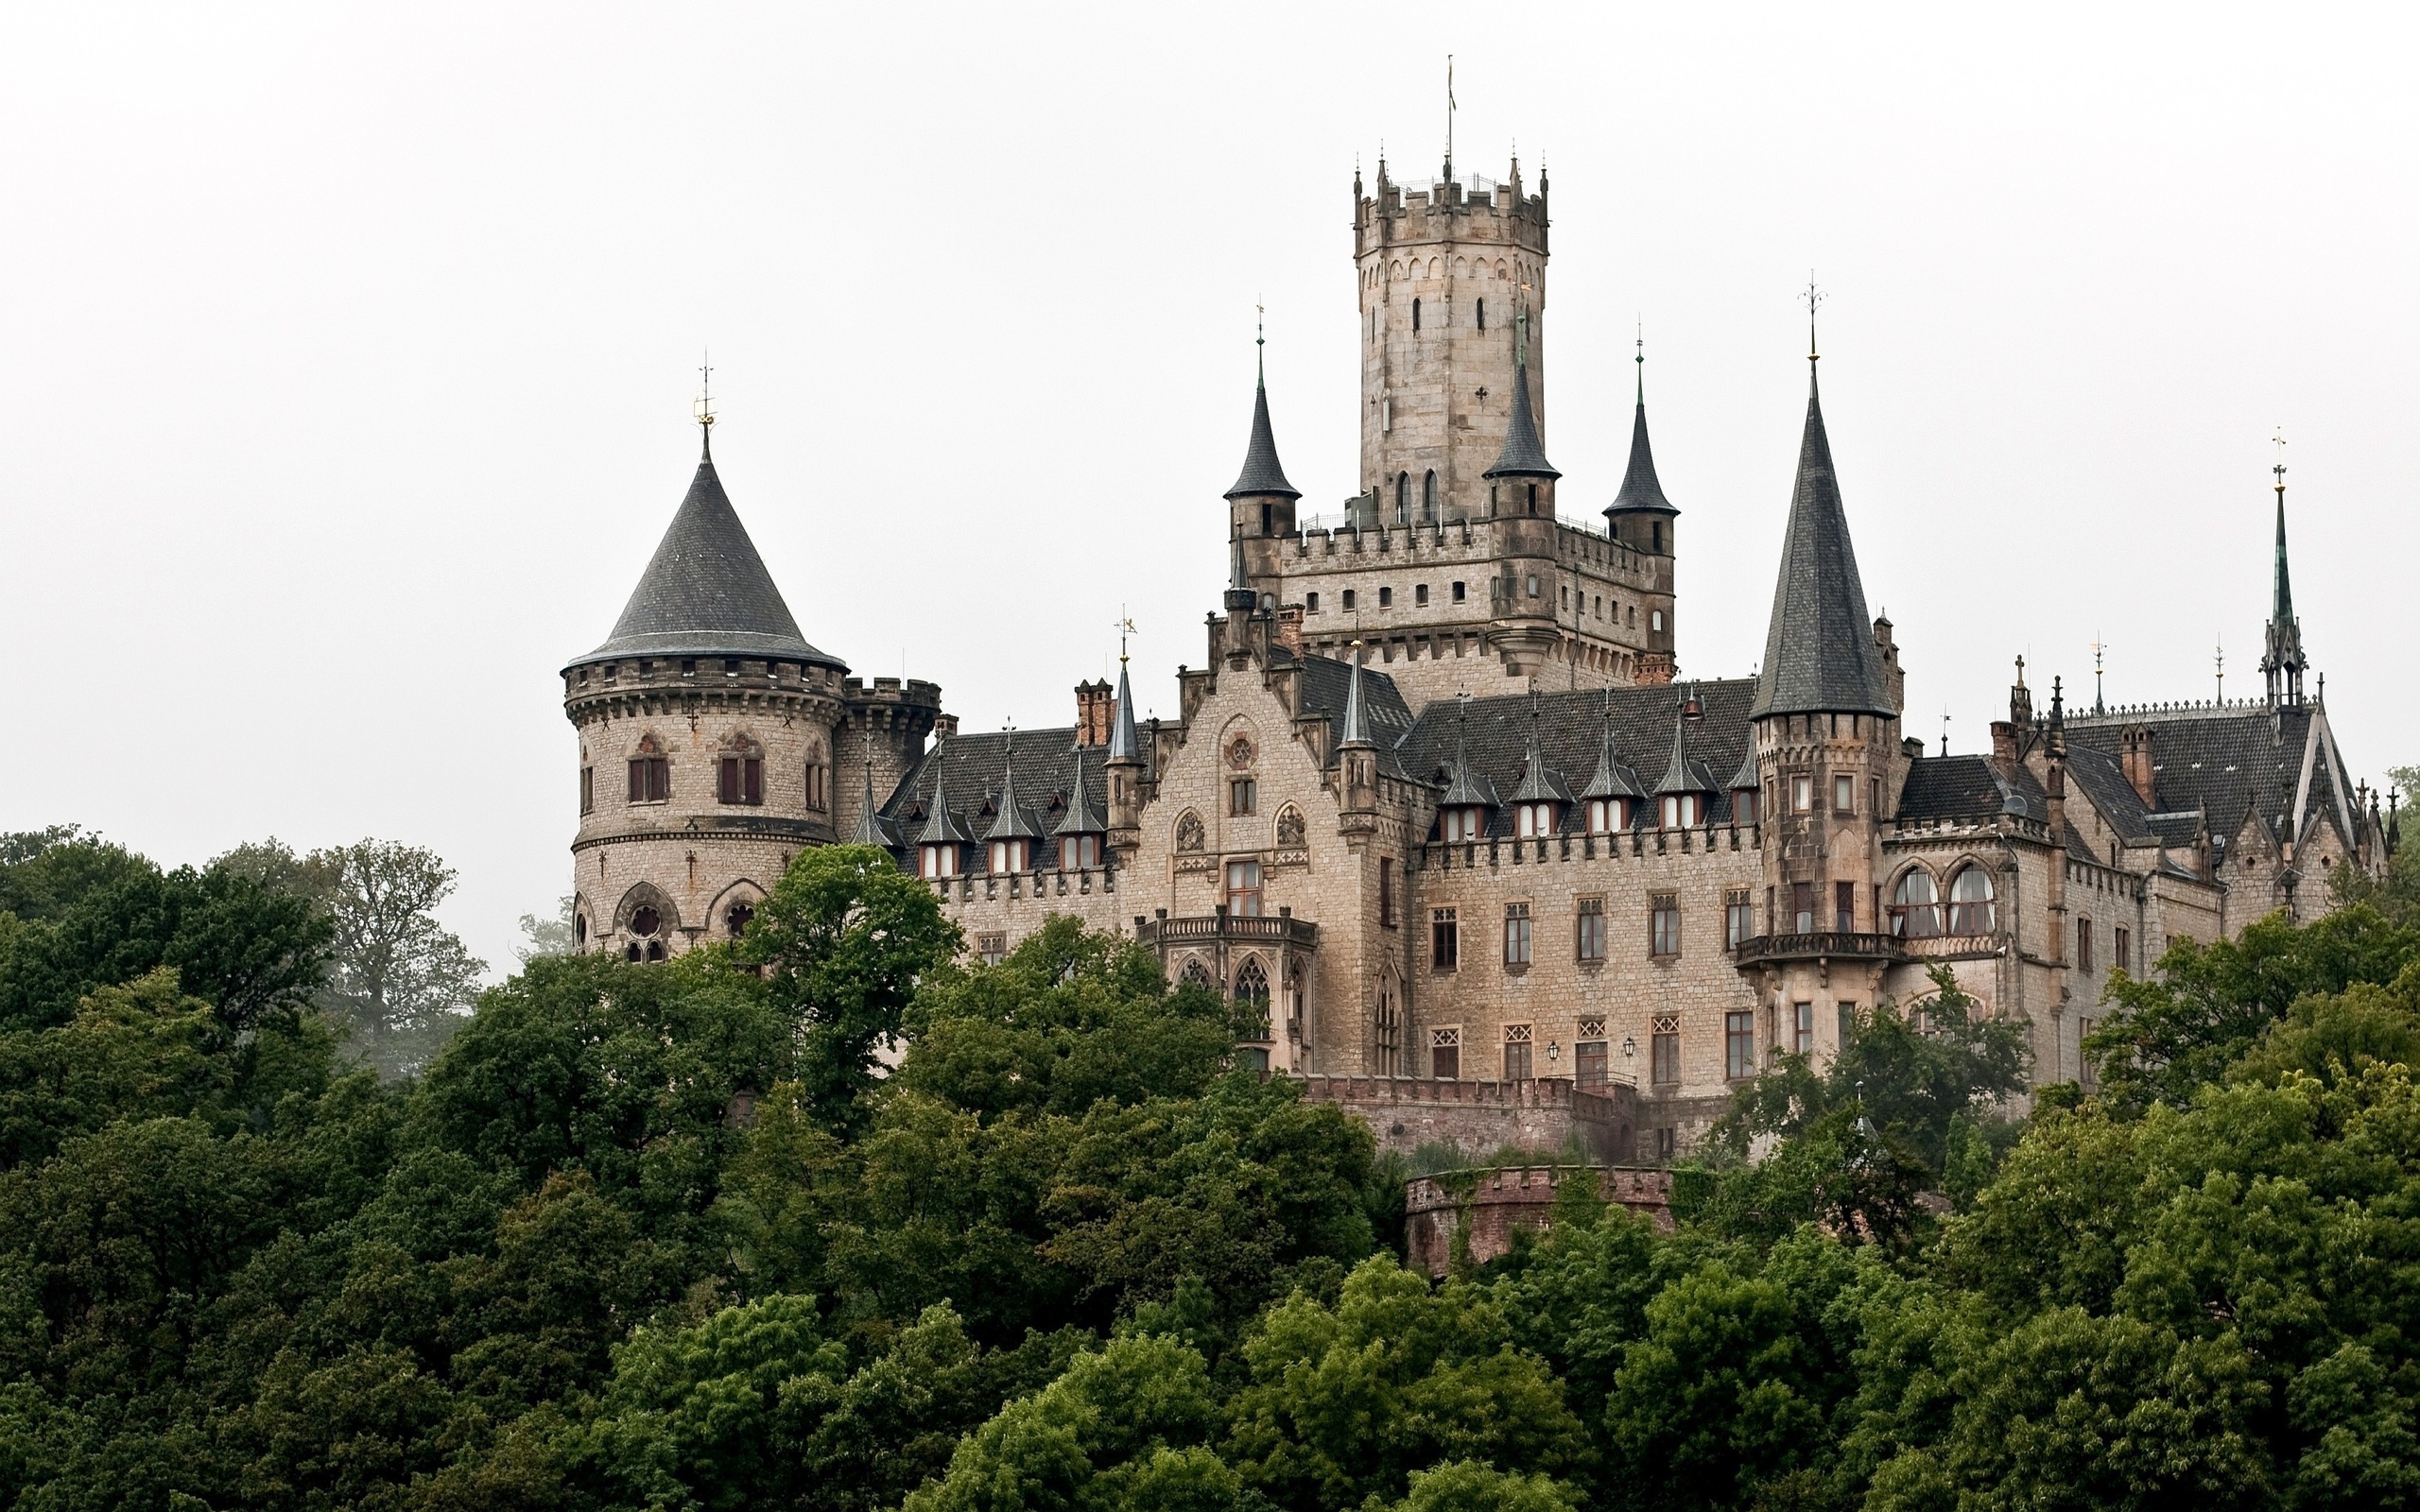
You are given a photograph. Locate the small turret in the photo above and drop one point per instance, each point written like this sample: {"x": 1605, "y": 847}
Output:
{"x": 1013, "y": 833}
{"x": 1125, "y": 772}
{"x": 1522, "y": 481}
{"x": 941, "y": 845}
{"x": 1543, "y": 798}
{"x": 2282, "y": 661}
{"x": 1356, "y": 754}
{"x": 1640, "y": 516}
{"x": 1613, "y": 795}
{"x": 1083, "y": 829}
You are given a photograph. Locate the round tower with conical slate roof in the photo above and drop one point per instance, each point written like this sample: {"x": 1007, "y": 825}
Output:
{"x": 706, "y": 727}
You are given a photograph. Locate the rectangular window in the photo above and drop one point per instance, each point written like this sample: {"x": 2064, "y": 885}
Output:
{"x": 2122, "y": 941}
{"x": 1844, "y": 907}
{"x": 1348, "y": 599}
{"x": 1802, "y": 793}
{"x": 1243, "y": 795}
{"x": 1516, "y": 1052}
{"x": 1802, "y": 1028}
{"x": 1445, "y": 1054}
{"x": 1457, "y": 592}
{"x": 1802, "y": 908}
{"x": 742, "y": 780}
{"x": 1664, "y": 1049}
{"x": 1387, "y": 892}
{"x": 1590, "y": 943}
{"x": 1445, "y": 940}
{"x": 2083, "y": 944}
{"x": 1739, "y": 1045}
{"x": 1588, "y": 1062}
{"x": 1739, "y": 918}
{"x": 2084, "y": 1077}
{"x": 993, "y": 949}
{"x": 1873, "y": 798}
{"x": 1076, "y": 853}
{"x": 1516, "y": 934}
{"x": 1420, "y": 596}
{"x": 1386, "y": 599}
{"x": 818, "y": 786}
{"x": 651, "y": 780}
{"x": 1844, "y": 796}
{"x": 1848, "y": 1023}
{"x": 1243, "y": 889}
{"x": 1664, "y": 924}
{"x": 1310, "y": 602}
{"x": 587, "y": 789}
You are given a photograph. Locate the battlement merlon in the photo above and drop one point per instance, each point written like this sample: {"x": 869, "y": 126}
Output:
{"x": 1469, "y": 209}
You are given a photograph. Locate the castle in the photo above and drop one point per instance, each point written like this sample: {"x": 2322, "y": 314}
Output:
{"x": 1437, "y": 810}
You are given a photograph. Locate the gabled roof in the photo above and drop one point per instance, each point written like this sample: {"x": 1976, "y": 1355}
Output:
{"x": 1820, "y": 655}
{"x": 1262, "y": 473}
{"x": 1522, "y": 456}
{"x": 977, "y": 769}
{"x": 1970, "y": 787}
{"x": 1464, "y": 787}
{"x": 2225, "y": 762}
{"x": 706, "y": 592}
{"x": 1326, "y": 690}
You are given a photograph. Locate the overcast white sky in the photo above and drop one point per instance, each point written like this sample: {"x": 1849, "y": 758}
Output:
{"x": 346, "y": 353}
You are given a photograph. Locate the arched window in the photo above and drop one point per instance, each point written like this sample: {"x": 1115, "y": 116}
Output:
{"x": 1428, "y": 496}
{"x": 1683, "y": 810}
{"x": 644, "y": 920}
{"x": 1915, "y": 906}
{"x": 1188, "y": 832}
{"x": 1403, "y": 498}
{"x": 1606, "y": 815}
{"x": 1970, "y": 902}
{"x": 1534, "y": 821}
{"x": 1481, "y": 307}
{"x": 736, "y": 917}
{"x": 1461, "y": 825}
{"x": 1252, "y": 1001}
{"x": 1197, "y": 975}
{"x": 1415, "y": 314}
{"x": 580, "y": 929}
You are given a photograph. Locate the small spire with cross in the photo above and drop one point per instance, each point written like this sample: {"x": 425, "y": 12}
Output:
{"x": 1260, "y": 341}
{"x": 705, "y": 406}
{"x": 2098, "y": 646}
{"x": 2222, "y": 654}
{"x": 1813, "y": 298}
{"x": 2280, "y": 468}
{"x": 1124, "y": 626}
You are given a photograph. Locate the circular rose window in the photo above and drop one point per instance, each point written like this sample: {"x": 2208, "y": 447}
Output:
{"x": 645, "y": 922}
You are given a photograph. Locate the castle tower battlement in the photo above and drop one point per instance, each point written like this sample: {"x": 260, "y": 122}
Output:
{"x": 1445, "y": 272}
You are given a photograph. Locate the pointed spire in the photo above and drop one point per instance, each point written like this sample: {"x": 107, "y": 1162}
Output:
{"x": 1356, "y": 731}
{"x": 2283, "y": 663}
{"x": 1538, "y": 786}
{"x": 1011, "y": 822}
{"x": 1263, "y": 475}
{"x": 942, "y": 827}
{"x": 1684, "y": 773}
{"x": 1124, "y": 745}
{"x": 1083, "y": 817}
{"x": 1613, "y": 779}
{"x": 1641, "y": 493}
{"x": 1463, "y": 788}
{"x": 1522, "y": 456}
{"x": 1820, "y": 654}
{"x": 872, "y": 828}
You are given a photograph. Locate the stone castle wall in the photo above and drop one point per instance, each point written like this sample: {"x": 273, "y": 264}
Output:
{"x": 1471, "y": 1216}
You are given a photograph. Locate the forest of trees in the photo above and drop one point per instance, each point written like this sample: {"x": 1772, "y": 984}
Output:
{"x": 671, "y": 1236}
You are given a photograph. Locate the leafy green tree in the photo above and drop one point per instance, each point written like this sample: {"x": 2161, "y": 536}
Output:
{"x": 1345, "y": 1402}
{"x": 1472, "y": 1486}
{"x": 134, "y": 1052}
{"x": 844, "y": 939}
{"x": 548, "y": 934}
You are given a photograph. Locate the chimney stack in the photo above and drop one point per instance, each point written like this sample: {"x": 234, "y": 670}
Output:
{"x": 1096, "y": 707}
{"x": 2135, "y": 757}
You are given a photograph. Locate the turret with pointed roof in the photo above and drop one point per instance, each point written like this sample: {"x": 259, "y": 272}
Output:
{"x": 1613, "y": 779}
{"x": 1640, "y": 516}
{"x": 1820, "y": 655}
{"x": 1523, "y": 456}
{"x": 1538, "y": 784}
{"x": 1083, "y": 817}
{"x": 1010, "y": 821}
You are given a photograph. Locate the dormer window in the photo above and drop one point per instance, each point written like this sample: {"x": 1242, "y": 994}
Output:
{"x": 1010, "y": 855}
{"x": 1607, "y": 814}
{"x": 1079, "y": 852}
{"x": 936, "y": 863}
{"x": 1464, "y": 824}
{"x": 1683, "y": 810}
{"x": 1743, "y": 806}
{"x": 1533, "y": 821}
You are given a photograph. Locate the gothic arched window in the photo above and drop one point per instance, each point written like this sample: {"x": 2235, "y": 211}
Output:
{"x": 1197, "y": 975}
{"x": 1188, "y": 832}
{"x": 1480, "y": 306}
{"x": 1403, "y": 498}
{"x": 1252, "y": 999}
{"x": 1428, "y": 495}
{"x": 1415, "y": 314}
{"x": 1970, "y": 902}
{"x": 1915, "y": 906}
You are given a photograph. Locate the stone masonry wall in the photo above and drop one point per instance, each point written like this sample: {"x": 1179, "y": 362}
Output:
{"x": 1481, "y": 1117}
{"x": 1491, "y": 1206}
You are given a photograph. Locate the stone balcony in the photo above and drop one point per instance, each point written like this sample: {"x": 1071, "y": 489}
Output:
{"x": 1223, "y": 928}
{"x": 1822, "y": 947}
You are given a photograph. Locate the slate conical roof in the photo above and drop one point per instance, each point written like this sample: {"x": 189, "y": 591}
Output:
{"x": 706, "y": 593}
{"x": 872, "y": 829}
{"x": 1262, "y": 473}
{"x": 1522, "y": 456}
{"x": 1685, "y": 773}
{"x": 1641, "y": 493}
{"x": 1465, "y": 788}
{"x": 1356, "y": 724}
{"x": 1124, "y": 745}
{"x": 1538, "y": 783}
{"x": 1011, "y": 822}
{"x": 1613, "y": 779}
{"x": 942, "y": 827}
{"x": 1820, "y": 655}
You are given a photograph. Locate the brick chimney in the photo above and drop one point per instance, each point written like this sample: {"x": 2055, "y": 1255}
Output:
{"x": 1096, "y": 708}
{"x": 2004, "y": 746}
{"x": 2135, "y": 757}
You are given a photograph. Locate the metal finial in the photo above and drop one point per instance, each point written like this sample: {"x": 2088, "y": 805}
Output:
{"x": 2222, "y": 670}
{"x": 1260, "y": 341}
{"x": 2098, "y": 646}
{"x": 1813, "y": 298}
{"x": 2280, "y": 468}
{"x": 1124, "y": 626}
{"x": 1945, "y": 731}
{"x": 1449, "y": 117}
{"x": 1641, "y": 359}
{"x": 705, "y": 406}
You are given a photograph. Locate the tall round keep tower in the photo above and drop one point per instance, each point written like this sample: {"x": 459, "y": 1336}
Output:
{"x": 706, "y": 742}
